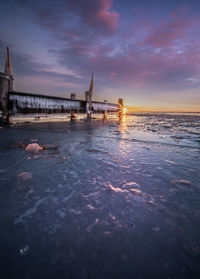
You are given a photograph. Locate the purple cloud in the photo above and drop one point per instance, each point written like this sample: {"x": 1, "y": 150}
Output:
{"x": 139, "y": 48}
{"x": 174, "y": 27}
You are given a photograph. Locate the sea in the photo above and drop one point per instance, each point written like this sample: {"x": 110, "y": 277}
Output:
{"x": 115, "y": 198}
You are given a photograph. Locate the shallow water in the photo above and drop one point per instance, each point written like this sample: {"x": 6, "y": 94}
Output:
{"x": 116, "y": 199}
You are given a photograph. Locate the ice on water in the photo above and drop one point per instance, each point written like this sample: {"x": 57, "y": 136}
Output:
{"x": 128, "y": 190}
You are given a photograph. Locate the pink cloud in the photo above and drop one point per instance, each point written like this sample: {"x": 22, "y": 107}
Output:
{"x": 105, "y": 16}
{"x": 173, "y": 28}
{"x": 96, "y": 14}
{"x": 146, "y": 68}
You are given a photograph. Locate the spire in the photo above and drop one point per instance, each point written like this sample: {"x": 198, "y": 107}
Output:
{"x": 91, "y": 84}
{"x": 8, "y": 67}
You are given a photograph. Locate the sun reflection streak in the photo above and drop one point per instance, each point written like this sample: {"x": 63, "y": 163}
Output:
{"x": 123, "y": 127}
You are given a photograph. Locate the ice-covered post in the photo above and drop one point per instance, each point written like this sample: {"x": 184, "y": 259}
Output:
{"x": 88, "y": 98}
{"x": 73, "y": 97}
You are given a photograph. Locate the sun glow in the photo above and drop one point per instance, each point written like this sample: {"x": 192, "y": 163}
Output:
{"x": 124, "y": 110}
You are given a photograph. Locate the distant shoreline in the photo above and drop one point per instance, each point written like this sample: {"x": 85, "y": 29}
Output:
{"x": 162, "y": 112}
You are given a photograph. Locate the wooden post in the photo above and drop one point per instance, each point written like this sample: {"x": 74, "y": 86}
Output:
{"x": 88, "y": 110}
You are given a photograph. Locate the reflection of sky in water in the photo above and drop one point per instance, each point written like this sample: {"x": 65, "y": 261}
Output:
{"x": 117, "y": 198}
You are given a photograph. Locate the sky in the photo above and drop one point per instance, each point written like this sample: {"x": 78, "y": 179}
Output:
{"x": 145, "y": 51}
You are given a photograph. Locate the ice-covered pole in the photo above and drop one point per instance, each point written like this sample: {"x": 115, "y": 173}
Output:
{"x": 88, "y": 95}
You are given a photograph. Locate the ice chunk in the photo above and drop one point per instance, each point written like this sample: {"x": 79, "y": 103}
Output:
{"x": 61, "y": 212}
{"x": 136, "y": 192}
{"x": 127, "y": 191}
{"x": 156, "y": 229}
{"x": 89, "y": 206}
{"x": 181, "y": 182}
{"x": 24, "y": 250}
{"x": 170, "y": 162}
{"x": 29, "y": 212}
{"x": 25, "y": 175}
{"x": 107, "y": 233}
{"x": 131, "y": 184}
{"x": 75, "y": 211}
{"x": 34, "y": 147}
{"x": 117, "y": 190}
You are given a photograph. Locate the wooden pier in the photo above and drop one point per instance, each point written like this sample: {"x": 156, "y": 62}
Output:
{"x": 13, "y": 102}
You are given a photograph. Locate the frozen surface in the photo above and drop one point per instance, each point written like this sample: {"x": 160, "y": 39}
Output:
{"x": 116, "y": 199}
